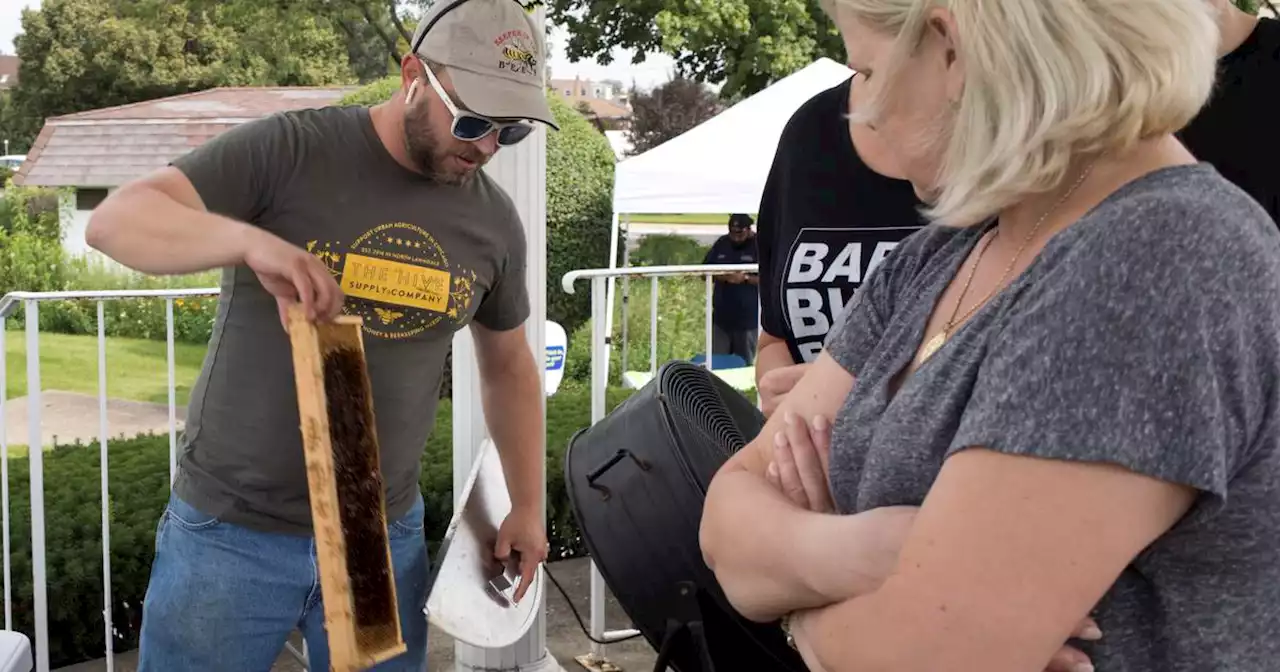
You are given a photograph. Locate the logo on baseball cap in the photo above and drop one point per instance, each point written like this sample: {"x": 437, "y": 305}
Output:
{"x": 494, "y": 55}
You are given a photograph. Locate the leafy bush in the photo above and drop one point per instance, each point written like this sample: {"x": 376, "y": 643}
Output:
{"x": 32, "y": 259}
{"x": 681, "y": 329}
{"x": 375, "y": 92}
{"x": 580, "y": 164}
{"x": 139, "y": 487}
{"x": 668, "y": 249}
{"x": 31, "y": 256}
{"x": 681, "y": 313}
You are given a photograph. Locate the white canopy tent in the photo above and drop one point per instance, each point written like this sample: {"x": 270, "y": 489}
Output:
{"x": 719, "y": 166}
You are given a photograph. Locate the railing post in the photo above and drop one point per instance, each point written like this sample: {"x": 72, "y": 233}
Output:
{"x": 653, "y": 325}
{"x": 173, "y": 400}
{"x": 707, "y": 326}
{"x": 599, "y": 388}
{"x": 106, "y": 489}
{"x": 4, "y": 471}
{"x": 35, "y": 457}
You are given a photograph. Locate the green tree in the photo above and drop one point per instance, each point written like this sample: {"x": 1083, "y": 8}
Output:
{"x": 668, "y": 111}
{"x": 745, "y": 44}
{"x": 87, "y": 54}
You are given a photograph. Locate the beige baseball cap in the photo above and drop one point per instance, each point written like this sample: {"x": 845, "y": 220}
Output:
{"x": 494, "y": 53}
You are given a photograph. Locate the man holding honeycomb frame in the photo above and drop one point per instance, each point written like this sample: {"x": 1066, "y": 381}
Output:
{"x": 383, "y": 213}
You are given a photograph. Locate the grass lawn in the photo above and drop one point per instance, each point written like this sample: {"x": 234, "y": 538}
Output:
{"x": 136, "y": 369}
{"x": 694, "y": 218}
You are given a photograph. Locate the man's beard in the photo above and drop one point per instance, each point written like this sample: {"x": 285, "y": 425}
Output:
{"x": 430, "y": 158}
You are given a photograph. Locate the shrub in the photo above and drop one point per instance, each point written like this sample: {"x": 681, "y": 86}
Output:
{"x": 32, "y": 259}
{"x": 378, "y": 91}
{"x": 31, "y": 255}
{"x": 669, "y": 250}
{"x": 681, "y": 315}
{"x": 580, "y": 164}
{"x": 139, "y": 482}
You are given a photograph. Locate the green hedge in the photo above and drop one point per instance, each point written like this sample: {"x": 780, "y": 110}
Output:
{"x": 139, "y": 481}
{"x": 580, "y": 165}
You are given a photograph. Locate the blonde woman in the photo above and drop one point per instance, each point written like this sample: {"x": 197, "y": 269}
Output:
{"x": 1061, "y": 398}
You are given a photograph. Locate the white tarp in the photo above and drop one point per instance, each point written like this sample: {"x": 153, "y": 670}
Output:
{"x": 721, "y": 165}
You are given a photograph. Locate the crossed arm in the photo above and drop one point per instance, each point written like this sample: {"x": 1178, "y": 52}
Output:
{"x": 1003, "y": 560}
{"x": 790, "y": 558}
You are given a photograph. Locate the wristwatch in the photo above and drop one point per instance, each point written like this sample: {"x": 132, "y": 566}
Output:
{"x": 786, "y": 630}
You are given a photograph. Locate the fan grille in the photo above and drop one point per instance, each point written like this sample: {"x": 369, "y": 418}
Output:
{"x": 691, "y": 392}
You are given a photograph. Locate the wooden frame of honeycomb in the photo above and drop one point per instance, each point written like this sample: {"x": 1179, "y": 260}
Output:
{"x": 348, "y": 507}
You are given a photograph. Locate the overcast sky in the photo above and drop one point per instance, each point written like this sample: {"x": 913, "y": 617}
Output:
{"x": 655, "y": 70}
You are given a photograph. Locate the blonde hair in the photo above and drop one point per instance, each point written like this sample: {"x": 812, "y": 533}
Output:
{"x": 1046, "y": 81}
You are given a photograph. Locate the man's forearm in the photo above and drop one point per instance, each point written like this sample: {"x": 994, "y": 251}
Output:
{"x": 787, "y": 558}
{"x": 512, "y": 394}
{"x": 147, "y": 230}
{"x": 773, "y": 353}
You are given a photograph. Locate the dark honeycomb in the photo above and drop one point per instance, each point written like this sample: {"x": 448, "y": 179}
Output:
{"x": 360, "y": 488}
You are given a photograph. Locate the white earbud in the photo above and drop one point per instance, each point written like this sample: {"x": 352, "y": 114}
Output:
{"x": 413, "y": 88}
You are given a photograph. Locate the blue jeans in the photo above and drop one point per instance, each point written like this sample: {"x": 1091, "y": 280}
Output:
{"x": 224, "y": 597}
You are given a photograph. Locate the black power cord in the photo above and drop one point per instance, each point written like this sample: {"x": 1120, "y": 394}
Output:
{"x": 581, "y": 624}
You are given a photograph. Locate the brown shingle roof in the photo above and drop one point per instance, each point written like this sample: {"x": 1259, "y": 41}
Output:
{"x": 603, "y": 109}
{"x": 107, "y": 147}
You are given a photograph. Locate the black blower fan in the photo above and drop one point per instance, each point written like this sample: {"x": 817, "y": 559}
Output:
{"x": 637, "y": 481}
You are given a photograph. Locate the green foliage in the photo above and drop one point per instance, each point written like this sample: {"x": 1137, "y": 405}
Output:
{"x": 681, "y": 313}
{"x": 375, "y": 92}
{"x": 747, "y": 44}
{"x": 580, "y": 164}
{"x": 681, "y": 329}
{"x": 668, "y": 250}
{"x": 139, "y": 481}
{"x": 86, "y": 54}
{"x": 32, "y": 259}
{"x": 31, "y": 256}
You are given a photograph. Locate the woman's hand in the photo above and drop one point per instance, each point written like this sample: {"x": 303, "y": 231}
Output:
{"x": 800, "y": 466}
{"x": 801, "y": 471}
{"x": 1067, "y": 659}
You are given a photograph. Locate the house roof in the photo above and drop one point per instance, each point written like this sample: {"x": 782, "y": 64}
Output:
{"x": 108, "y": 147}
{"x": 602, "y": 109}
{"x": 9, "y": 71}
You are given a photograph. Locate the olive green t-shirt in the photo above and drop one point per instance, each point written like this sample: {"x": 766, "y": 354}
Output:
{"x": 416, "y": 259}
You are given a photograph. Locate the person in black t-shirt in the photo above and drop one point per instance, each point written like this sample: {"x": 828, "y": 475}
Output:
{"x": 735, "y": 301}
{"x": 1239, "y": 130}
{"x": 826, "y": 220}
{"x": 822, "y": 199}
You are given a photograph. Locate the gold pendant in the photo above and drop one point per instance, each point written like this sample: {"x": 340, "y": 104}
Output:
{"x": 933, "y": 345}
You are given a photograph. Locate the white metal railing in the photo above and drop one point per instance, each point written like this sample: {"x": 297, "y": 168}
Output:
{"x": 600, "y": 376}
{"x": 31, "y": 303}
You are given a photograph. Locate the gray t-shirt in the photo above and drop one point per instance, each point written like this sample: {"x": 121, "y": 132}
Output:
{"x": 417, "y": 260}
{"x": 1147, "y": 335}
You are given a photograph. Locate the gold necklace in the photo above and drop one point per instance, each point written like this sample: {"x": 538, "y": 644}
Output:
{"x": 935, "y": 344}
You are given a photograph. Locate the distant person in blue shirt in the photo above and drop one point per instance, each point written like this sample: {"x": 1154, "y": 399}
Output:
{"x": 735, "y": 302}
